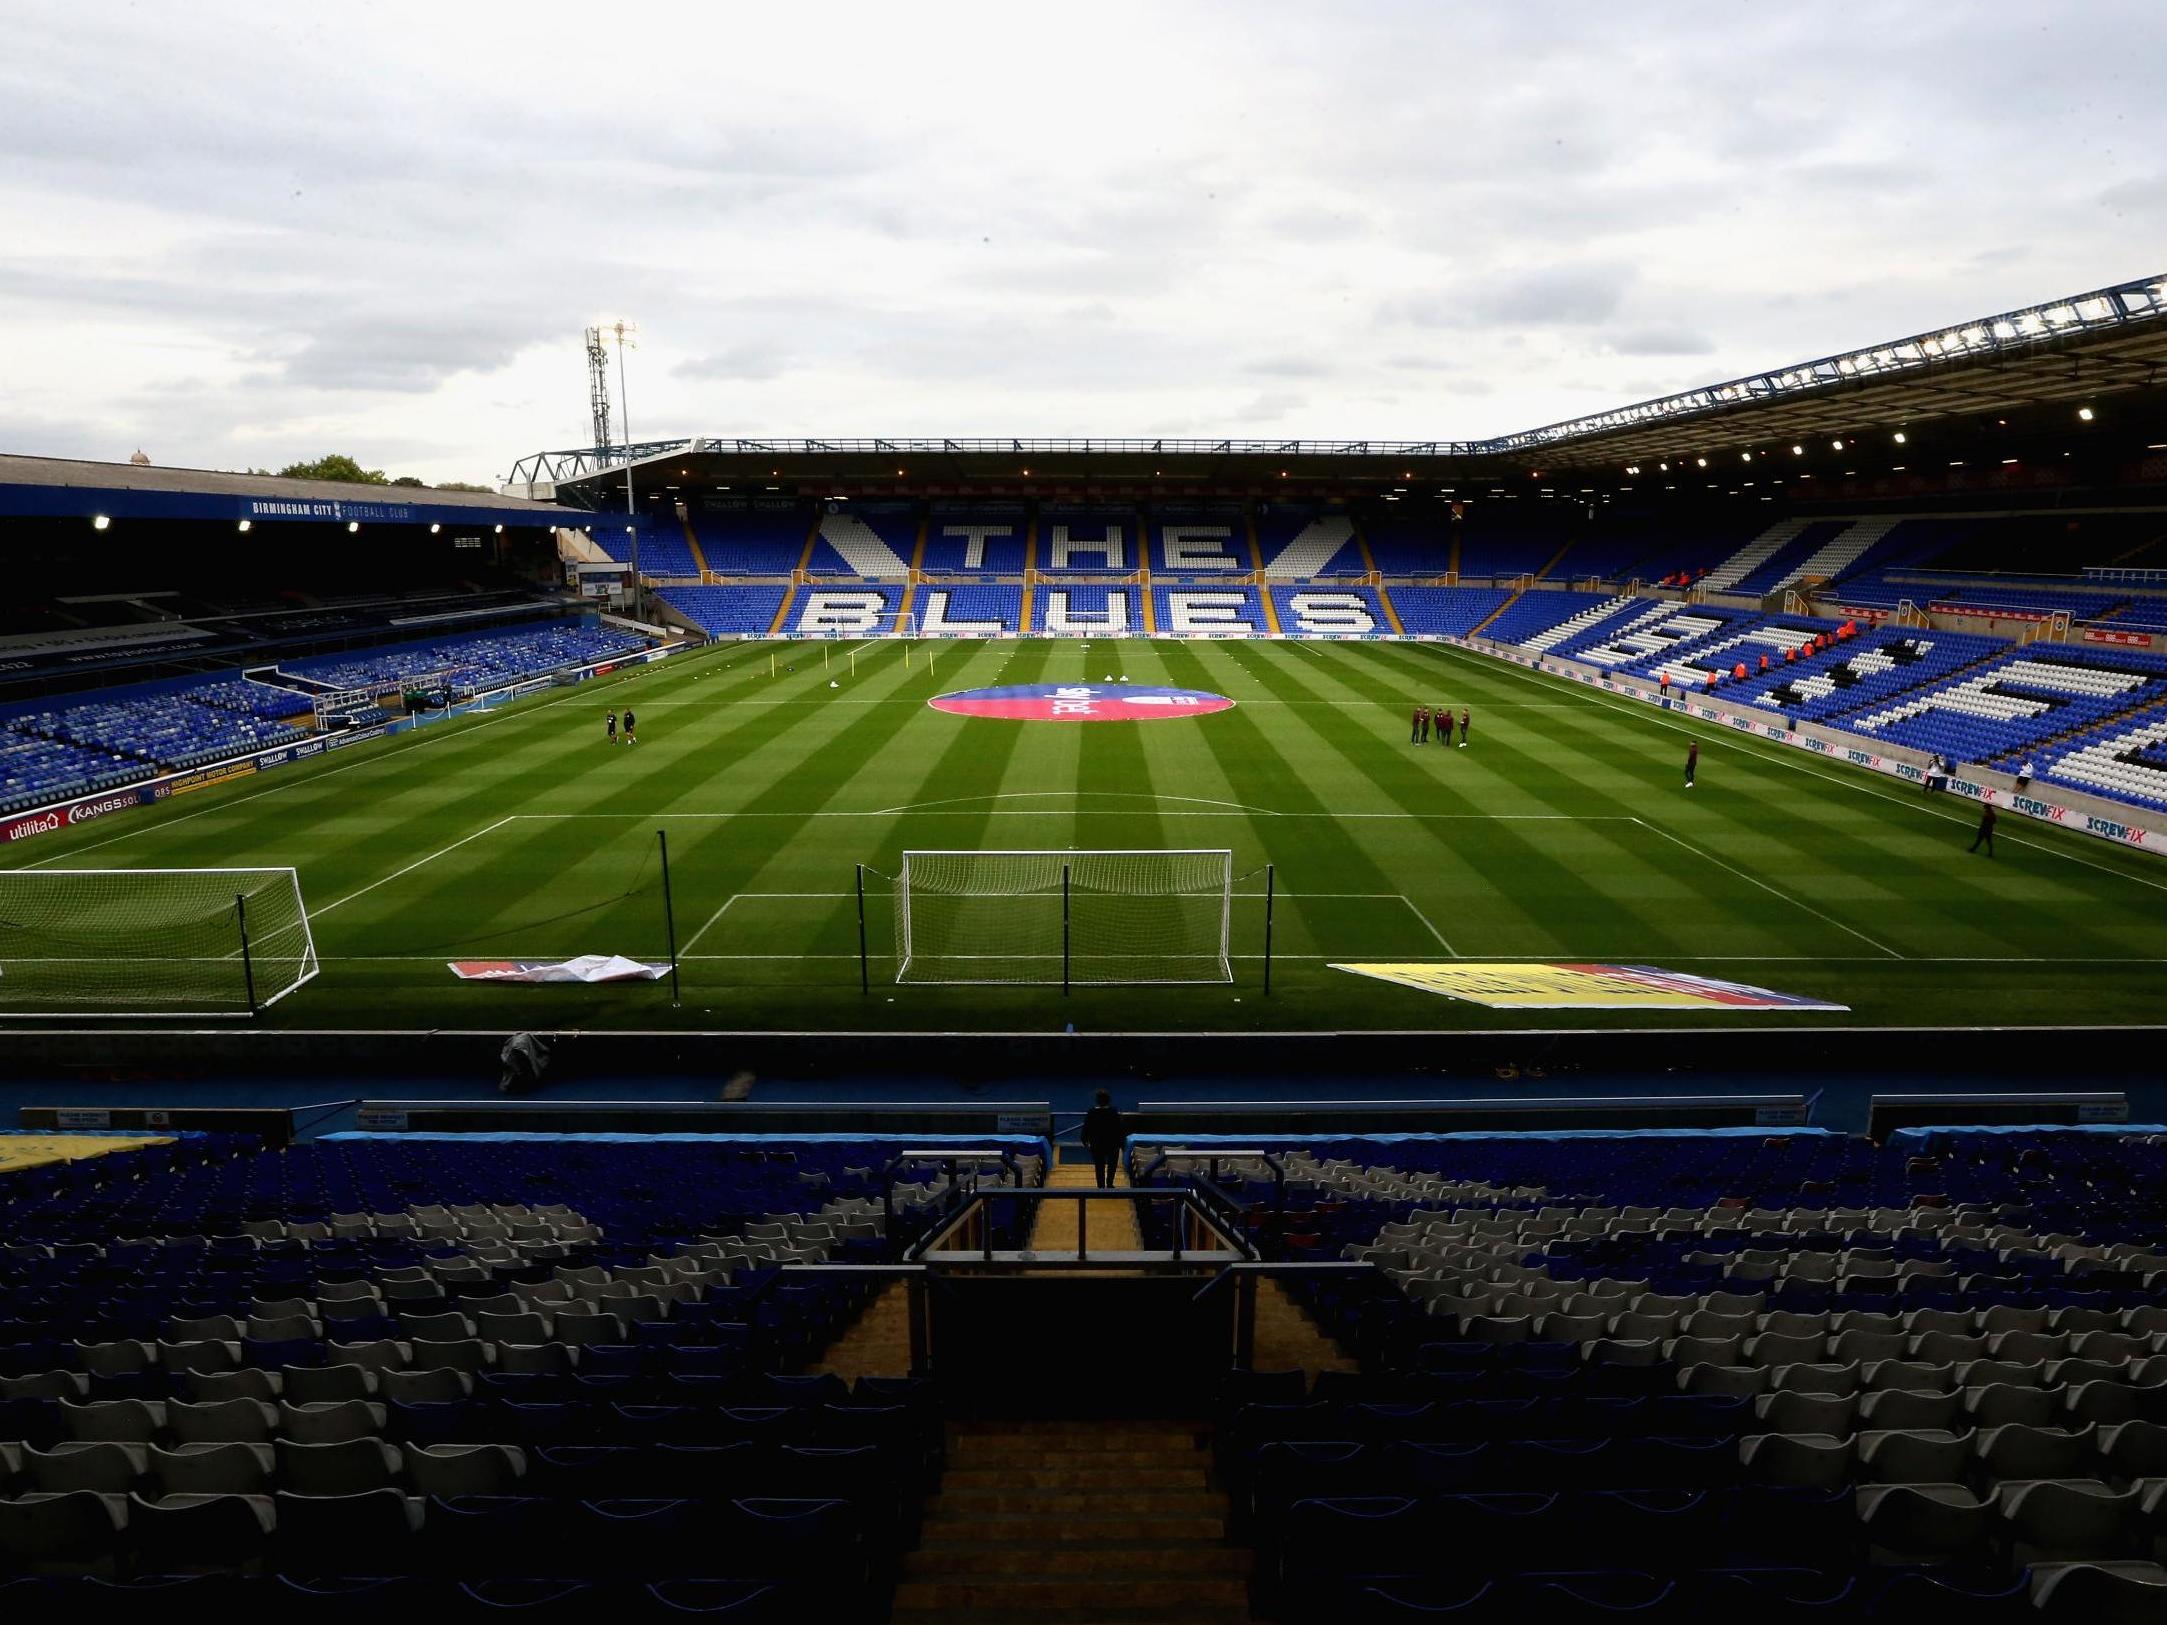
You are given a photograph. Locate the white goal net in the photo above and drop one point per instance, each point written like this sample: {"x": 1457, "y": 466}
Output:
{"x": 1060, "y": 917}
{"x": 151, "y": 942}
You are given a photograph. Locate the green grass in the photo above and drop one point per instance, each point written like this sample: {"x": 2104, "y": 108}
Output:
{"x": 1562, "y": 832}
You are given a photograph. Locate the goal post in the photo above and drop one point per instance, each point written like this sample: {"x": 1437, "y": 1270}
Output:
{"x": 1101, "y": 917}
{"x": 121, "y": 943}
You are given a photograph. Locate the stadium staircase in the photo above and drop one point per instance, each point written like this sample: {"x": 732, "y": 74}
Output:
{"x": 1571, "y": 627}
{"x": 1556, "y": 559}
{"x": 1099, "y": 1519}
{"x": 692, "y": 545}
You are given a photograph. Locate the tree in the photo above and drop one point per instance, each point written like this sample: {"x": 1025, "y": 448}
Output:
{"x": 334, "y": 466}
{"x": 463, "y": 485}
{"x": 410, "y": 480}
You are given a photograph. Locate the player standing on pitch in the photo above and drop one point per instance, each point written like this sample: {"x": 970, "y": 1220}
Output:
{"x": 1692, "y": 761}
{"x": 630, "y": 738}
{"x": 611, "y": 725}
{"x": 1463, "y": 727}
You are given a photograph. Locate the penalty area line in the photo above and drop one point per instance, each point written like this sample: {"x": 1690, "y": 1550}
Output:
{"x": 319, "y": 913}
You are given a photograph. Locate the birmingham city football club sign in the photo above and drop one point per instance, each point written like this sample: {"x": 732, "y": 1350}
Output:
{"x": 1081, "y": 702}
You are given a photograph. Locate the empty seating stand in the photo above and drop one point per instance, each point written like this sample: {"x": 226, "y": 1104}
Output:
{"x": 483, "y": 1372}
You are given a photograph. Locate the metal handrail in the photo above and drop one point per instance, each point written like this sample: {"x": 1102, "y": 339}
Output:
{"x": 1081, "y": 1195}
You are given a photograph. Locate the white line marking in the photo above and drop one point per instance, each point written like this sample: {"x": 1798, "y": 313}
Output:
{"x": 1773, "y": 891}
{"x": 1040, "y": 795}
{"x": 1433, "y": 931}
{"x": 319, "y": 913}
{"x": 686, "y": 951}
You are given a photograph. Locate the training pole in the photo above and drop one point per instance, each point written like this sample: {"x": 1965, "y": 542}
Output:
{"x": 1064, "y": 930}
{"x": 669, "y": 914}
{"x": 248, "y": 964}
{"x": 824, "y": 657}
{"x": 771, "y": 663}
{"x": 1268, "y": 877}
{"x": 865, "y": 972}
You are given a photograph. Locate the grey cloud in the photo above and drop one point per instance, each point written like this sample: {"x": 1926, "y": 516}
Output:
{"x": 739, "y": 363}
{"x": 1661, "y": 341}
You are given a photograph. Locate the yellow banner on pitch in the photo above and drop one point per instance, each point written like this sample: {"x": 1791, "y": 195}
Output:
{"x": 1583, "y": 987}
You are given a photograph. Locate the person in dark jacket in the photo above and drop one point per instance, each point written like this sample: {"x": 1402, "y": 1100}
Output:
{"x": 1103, "y": 1135}
{"x": 1986, "y": 829}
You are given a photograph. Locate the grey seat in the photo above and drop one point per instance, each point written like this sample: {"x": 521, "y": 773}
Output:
{"x": 46, "y": 1385}
{"x": 1818, "y": 1379}
{"x": 1864, "y": 1346}
{"x": 1787, "y": 1412}
{"x": 436, "y": 1328}
{"x": 329, "y": 1384}
{"x": 1917, "y": 1524}
{"x": 1775, "y": 1349}
{"x": 196, "y": 1534}
{"x": 1724, "y": 1379}
{"x": 465, "y": 1469}
{"x": 379, "y": 1354}
{"x": 104, "y": 1467}
{"x": 526, "y": 1327}
{"x": 122, "y": 1421}
{"x": 331, "y": 1424}
{"x": 1886, "y": 1408}
{"x": 2113, "y": 1593}
{"x": 1914, "y": 1456}
{"x": 204, "y": 1355}
{"x": 346, "y": 1468}
{"x": 204, "y": 1329}
{"x": 75, "y": 1533}
{"x": 2000, "y": 1404}
{"x": 212, "y": 1469}
{"x": 2067, "y": 1522}
{"x": 455, "y": 1354}
{"x": 2134, "y": 1450}
{"x": 2019, "y": 1451}
{"x": 226, "y": 1421}
{"x": 249, "y": 1382}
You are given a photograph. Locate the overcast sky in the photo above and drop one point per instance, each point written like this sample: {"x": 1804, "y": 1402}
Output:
{"x": 245, "y": 234}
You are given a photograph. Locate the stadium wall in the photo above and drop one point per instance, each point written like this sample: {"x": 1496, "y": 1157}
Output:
{"x": 2092, "y": 815}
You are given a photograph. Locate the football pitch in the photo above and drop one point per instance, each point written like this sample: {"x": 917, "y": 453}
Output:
{"x": 1563, "y": 832}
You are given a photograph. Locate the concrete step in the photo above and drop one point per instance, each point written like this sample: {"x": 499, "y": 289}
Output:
{"x": 1021, "y": 1453}
{"x": 1195, "y": 1561}
{"x": 1065, "y": 1434}
{"x": 1109, "y": 1593}
{"x": 1112, "y": 1480}
{"x": 1065, "y": 1524}
{"x": 1067, "y": 1502}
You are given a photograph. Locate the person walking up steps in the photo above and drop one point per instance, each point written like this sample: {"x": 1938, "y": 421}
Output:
{"x": 1692, "y": 762}
{"x": 1103, "y": 1134}
{"x": 1986, "y": 830}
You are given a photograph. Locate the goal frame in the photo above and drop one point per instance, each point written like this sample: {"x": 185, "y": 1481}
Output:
{"x": 312, "y": 966}
{"x": 1066, "y": 855}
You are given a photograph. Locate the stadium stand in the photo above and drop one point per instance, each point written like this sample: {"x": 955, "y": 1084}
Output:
{"x": 2018, "y": 704}
{"x": 1540, "y": 621}
{"x": 1681, "y": 1375}
{"x": 34, "y": 771}
{"x": 1217, "y": 610}
{"x": 969, "y": 542}
{"x": 1454, "y": 611}
{"x": 473, "y": 663}
{"x": 1344, "y": 610}
{"x": 2125, "y": 759}
{"x": 1307, "y": 547}
{"x": 752, "y": 541}
{"x": 1876, "y": 667}
{"x": 168, "y": 731}
{"x": 1204, "y": 544}
{"x": 989, "y": 611}
{"x": 488, "y": 1368}
{"x": 728, "y": 611}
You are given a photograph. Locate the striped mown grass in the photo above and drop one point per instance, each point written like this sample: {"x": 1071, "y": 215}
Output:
{"x": 1563, "y": 832}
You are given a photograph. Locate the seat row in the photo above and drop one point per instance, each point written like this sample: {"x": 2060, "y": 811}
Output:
{"x": 370, "y": 1600}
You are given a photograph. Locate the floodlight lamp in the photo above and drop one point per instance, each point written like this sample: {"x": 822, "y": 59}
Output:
{"x": 1701, "y": 461}
{"x": 1899, "y": 437}
{"x": 433, "y": 529}
{"x": 2084, "y": 414}
{"x": 245, "y": 525}
{"x": 1835, "y": 445}
{"x": 352, "y": 525}
{"x": 1798, "y": 451}
{"x": 500, "y": 530}
{"x": 99, "y": 521}
{"x": 1745, "y": 457}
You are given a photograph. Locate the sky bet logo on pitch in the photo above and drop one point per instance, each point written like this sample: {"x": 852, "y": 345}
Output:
{"x": 1081, "y": 702}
